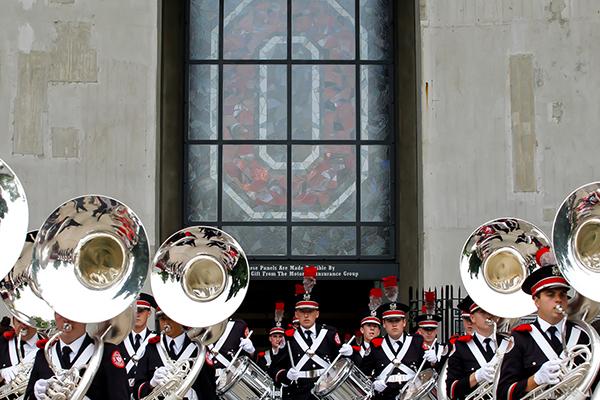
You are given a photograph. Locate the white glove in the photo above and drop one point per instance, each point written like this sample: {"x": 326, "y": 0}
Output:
{"x": 247, "y": 346}
{"x": 379, "y": 385}
{"x": 346, "y": 350}
{"x": 40, "y": 387}
{"x": 191, "y": 395}
{"x": 9, "y": 373}
{"x": 160, "y": 377}
{"x": 293, "y": 374}
{"x": 549, "y": 373}
{"x": 485, "y": 373}
{"x": 430, "y": 356}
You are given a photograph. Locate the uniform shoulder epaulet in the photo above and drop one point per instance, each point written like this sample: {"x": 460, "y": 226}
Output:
{"x": 464, "y": 338}
{"x": 377, "y": 342}
{"x": 41, "y": 343}
{"x": 9, "y": 334}
{"x": 154, "y": 339}
{"x": 356, "y": 348}
{"x": 289, "y": 332}
{"x": 522, "y": 328}
{"x": 261, "y": 354}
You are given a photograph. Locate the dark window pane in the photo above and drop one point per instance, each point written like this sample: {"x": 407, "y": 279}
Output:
{"x": 260, "y": 240}
{"x": 255, "y": 29}
{"x": 324, "y": 240}
{"x": 254, "y": 183}
{"x": 324, "y": 183}
{"x": 375, "y": 183}
{"x": 376, "y": 241}
{"x": 203, "y": 102}
{"x": 375, "y": 102}
{"x": 254, "y": 102}
{"x": 323, "y": 102}
{"x": 323, "y": 29}
{"x": 204, "y": 29}
{"x": 202, "y": 183}
{"x": 375, "y": 29}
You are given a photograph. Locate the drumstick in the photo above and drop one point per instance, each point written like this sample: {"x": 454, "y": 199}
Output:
{"x": 423, "y": 362}
{"x": 337, "y": 357}
{"x": 235, "y": 357}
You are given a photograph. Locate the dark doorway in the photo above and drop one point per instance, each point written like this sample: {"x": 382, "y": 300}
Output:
{"x": 341, "y": 305}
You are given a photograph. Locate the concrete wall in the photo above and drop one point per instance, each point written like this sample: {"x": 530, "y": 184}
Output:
{"x": 78, "y": 96}
{"x": 510, "y": 115}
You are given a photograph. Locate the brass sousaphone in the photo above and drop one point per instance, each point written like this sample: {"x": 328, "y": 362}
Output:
{"x": 199, "y": 276}
{"x": 90, "y": 260}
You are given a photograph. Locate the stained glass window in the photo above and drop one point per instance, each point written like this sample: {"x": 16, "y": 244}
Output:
{"x": 290, "y": 127}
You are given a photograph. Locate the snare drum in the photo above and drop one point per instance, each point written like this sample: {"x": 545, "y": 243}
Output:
{"x": 421, "y": 388}
{"x": 245, "y": 381}
{"x": 343, "y": 381}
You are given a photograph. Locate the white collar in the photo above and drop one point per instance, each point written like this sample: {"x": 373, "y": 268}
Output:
{"x": 178, "y": 342}
{"x": 313, "y": 329}
{"x": 143, "y": 334}
{"x": 481, "y": 339}
{"x": 74, "y": 346}
{"x": 544, "y": 325}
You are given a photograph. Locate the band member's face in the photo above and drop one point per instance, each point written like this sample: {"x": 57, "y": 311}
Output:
{"x": 23, "y": 329}
{"x": 307, "y": 317}
{"x": 174, "y": 329}
{"x": 394, "y": 327}
{"x": 546, "y": 302}
{"x": 467, "y": 325}
{"x": 75, "y": 330}
{"x": 428, "y": 334}
{"x": 481, "y": 321}
{"x": 141, "y": 318}
{"x": 275, "y": 339}
{"x": 370, "y": 331}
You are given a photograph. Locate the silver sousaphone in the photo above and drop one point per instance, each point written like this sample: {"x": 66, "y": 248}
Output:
{"x": 90, "y": 260}
{"x": 199, "y": 276}
{"x": 494, "y": 262}
{"x": 14, "y": 218}
{"x": 19, "y": 296}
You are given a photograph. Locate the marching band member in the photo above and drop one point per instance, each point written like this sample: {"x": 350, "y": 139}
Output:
{"x": 14, "y": 350}
{"x": 312, "y": 347}
{"x": 276, "y": 338}
{"x": 395, "y": 358}
{"x": 472, "y": 360}
{"x": 134, "y": 345}
{"x": 370, "y": 327}
{"x": 534, "y": 359}
{"x": 152, "y": 370}
{"x": 73, "y": 350}
{"x": 234, "y": 337}
{"x": 427, "y": 326}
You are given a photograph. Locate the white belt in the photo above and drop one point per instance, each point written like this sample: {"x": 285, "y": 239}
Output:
{"x": 398, "y": 378}
{"x": 315, "y": 373}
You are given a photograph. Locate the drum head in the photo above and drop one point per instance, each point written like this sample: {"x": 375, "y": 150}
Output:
{"x": 232, "y": 375}
{"x": 422, "y": 385}
{"x": 333, "y": 378}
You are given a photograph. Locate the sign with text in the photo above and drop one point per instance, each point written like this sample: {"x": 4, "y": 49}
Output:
{"x": 327, "y": 271}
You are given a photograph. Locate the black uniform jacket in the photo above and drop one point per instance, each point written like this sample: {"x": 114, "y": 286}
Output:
{"x": 264, "y": 359}
{"x": 126, "y": 349}
{"x": 360, "y": 350}
{"x": 110, "y": 381}
{"x": 9, "y": 355}
{"x": 378, "y": 359}
{"x": 229, "y": 343}
{"x": 525, "y": 359}
{"x": 462, "y": 363}
{"x": 204, "y": 386}
{"x": 325, "y": 350}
